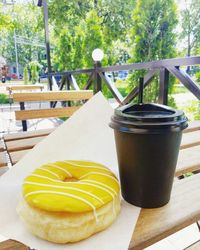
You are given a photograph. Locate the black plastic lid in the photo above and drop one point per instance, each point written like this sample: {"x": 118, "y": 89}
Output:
{"x": 130, "y": 118}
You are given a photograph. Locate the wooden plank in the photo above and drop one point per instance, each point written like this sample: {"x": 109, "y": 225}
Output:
{"x": 188, "y": 160}
{"x": 29, "y": 134}
{"x": 17, "y": 155}
{"x": 3, "y": 161}
{"x": 45, "y": 113}
{"x": 182, "y": 210}
{"x": 69, "y": 95}
{"x": 24, "y": 87}
{"x": 195, "y": 246}
{"x": 3, "y": 170}
{"x": 13, "y": 244}
{"x": 1, "y": 146}
{"x": 23, "y": 144}
{"x": 193, "y": 126}
{"x": 190, "y": 139}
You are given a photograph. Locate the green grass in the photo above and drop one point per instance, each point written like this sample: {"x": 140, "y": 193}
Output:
{"x": 179, "y": 89}
{"x": 191, "y": 109}
{"x": 4, "y": 99}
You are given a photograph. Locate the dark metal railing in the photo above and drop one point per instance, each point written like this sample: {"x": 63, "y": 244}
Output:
{"x": 97, "y": 75}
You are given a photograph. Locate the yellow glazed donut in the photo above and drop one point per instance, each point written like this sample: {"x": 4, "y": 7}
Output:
{"x": 68, "y": 201}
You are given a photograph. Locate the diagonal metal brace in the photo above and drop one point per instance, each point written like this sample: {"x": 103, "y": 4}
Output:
{"x": 147, "y": 79}
{"x": 112, "y": 87}
{"x": 186, "y": 80}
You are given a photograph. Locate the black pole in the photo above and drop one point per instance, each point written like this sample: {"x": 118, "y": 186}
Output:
{"x": 141, "y": 87}
{"x": 24, "y": 122}
{"x": 98, "y": 85}
{"x": 46, "y": 28}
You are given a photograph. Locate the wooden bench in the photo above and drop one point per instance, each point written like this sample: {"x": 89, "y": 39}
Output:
{"x": 17, "y": 145}
{"x": 183, "y": 208}
{"x": 49, "y": 96}
{"x": 32, "y": 87}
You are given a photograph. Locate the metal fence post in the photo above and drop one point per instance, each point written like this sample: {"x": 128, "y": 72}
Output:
{"x": 164, "y": 85}
{"x": 98, "y": 81}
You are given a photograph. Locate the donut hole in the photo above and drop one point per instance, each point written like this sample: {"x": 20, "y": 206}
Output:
{"x": 71, "y": 179}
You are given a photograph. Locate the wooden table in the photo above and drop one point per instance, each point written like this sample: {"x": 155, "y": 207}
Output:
{"x": 153, "y": 224}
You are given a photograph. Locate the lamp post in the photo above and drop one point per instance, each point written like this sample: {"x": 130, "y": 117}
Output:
{"x": 43, "y": 3}
{"x": 97, "y": 56}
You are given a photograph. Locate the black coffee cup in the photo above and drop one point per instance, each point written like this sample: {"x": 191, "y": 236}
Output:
{"x": 148, "y": 138}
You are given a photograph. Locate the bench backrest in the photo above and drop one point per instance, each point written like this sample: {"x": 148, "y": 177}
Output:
{"x": 24, "y": 87}
{"x": 52, "y": 96}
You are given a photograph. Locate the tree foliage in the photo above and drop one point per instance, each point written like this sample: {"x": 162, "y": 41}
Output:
{"x": 24, "y": 23}
{"x": 190, "y": 23}
{"x": 153, "y": 36}
{"x": 89, "y": 24}
{"x": 5, "y": 19}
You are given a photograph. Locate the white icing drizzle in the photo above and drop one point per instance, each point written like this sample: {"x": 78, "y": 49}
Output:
{"x": 99, "y": 173}
{"x": 56, "y": 166}
{"x": 88, "y": 166}
{"x": 49, "y": 171}
{"x": 82, "y": 183}
{"x": 65, "y": 194}
{"x": 65, "y": 187}
{"x": 100, "y": 186}
{"x": 45, "y": 177}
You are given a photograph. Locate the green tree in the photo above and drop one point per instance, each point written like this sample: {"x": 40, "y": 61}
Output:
{"x": 25, "y": 19}
{"x": 5, "y": 19}
{"x": 26, "y": 75}
{"x": 68, "y": 14}
{"x": 93, "y": 37}
{"x": 190, "y": 23}
{"x": 116, "y": 18}
{"x": 115, "y": 15}
{"x": 64, "y": 51}
{"x": 114, "y": 21}
{"x": 153, "y": 37}
{"x": 34, "y": 69}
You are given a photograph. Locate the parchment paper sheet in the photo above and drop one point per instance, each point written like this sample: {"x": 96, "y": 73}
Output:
{"x": 86, "y": 135}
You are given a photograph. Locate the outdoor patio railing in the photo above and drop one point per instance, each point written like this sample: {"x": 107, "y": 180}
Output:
{"x": 98, "y": 75}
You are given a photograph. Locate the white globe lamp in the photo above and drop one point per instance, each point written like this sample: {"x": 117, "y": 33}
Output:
{"x": 97, "y": 55}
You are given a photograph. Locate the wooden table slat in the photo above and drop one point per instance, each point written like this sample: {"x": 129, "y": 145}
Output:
{"x": 23, "y": 144}
{"x": 190, "y": 139}
{"x": 28, "y": 134}
{"x": 3, "y": 162}
{"x": 193, "y": 126}
{"x": 182, "y": 210}
{"x": 13, "y": 244}
{"x": 17, "y": 155}
{"x": 188, "y": 160}
{"x": 1, "y": 146}
{"x": 195, "y": 246}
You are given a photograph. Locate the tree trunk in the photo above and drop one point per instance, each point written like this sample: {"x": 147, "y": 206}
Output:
{"x": 95, "y": 4}
{"x": 189, "y": 49}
